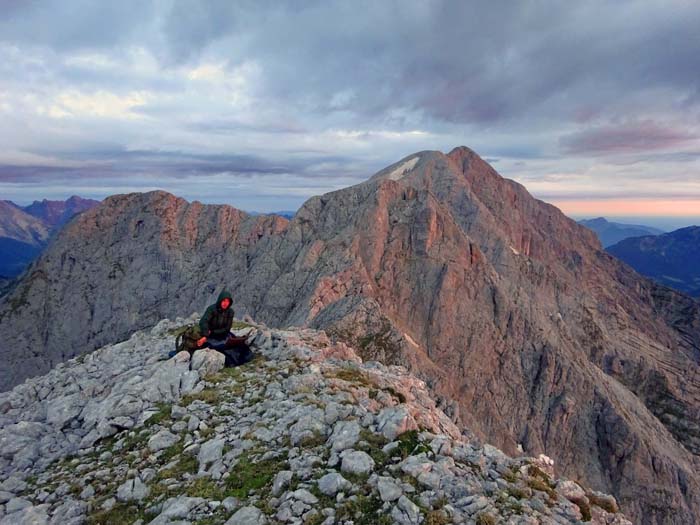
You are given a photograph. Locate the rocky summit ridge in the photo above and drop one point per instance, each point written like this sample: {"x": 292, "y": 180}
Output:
{"x": 525, "y": 330}
{"x": 306, "y": 433}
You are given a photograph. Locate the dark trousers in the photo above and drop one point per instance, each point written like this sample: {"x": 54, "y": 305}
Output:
{"x": 237, "y": 353}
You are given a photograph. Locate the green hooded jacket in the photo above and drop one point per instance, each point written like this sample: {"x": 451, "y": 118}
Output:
{"x": 216, "y": 322}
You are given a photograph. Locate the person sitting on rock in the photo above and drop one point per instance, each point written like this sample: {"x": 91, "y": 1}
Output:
{"x": 215, "y": 326}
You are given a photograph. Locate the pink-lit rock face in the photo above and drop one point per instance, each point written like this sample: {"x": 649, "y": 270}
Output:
{"x": 525, "y": 330}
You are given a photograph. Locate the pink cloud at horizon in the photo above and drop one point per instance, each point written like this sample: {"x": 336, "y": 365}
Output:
{"x": 632, "y": 207}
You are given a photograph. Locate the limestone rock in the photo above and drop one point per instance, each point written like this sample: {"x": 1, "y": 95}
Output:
{"x": 207, "y": 361}
{"x": 357, "y": 462}
{"x": 247, "y": 516}
{"x": 32, "y": 515}
{"x": 163, "y": 439}
{"x": 132, "y": 490}
{"x": 394, "y": 421}
{"x": 345, "y": 435}
{"x": 389, "y": 490}
{"x": 210, "y": 452}
{"x": 332, "y": 483}
{"x": 405, "y": 512}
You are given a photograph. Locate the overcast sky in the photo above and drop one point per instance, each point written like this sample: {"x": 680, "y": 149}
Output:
{"x": 594, "y": 106}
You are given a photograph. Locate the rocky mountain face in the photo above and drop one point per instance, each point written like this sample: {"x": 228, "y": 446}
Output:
{"x": 112, "y": 287}
{"x": 611, "y": 233}
{"x": 672, "y": 259}
{"x": 525, "y": 330}
{"x": 306, "y": 433}
{"x": 25, "y": 231}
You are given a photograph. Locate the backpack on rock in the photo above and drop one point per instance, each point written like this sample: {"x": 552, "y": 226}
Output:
{"x": 187, "y": 337}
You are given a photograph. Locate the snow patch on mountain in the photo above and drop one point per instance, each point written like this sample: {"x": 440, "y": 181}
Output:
{"x": 403, "y": 169}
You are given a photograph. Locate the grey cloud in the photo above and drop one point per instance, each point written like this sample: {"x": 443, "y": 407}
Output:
{"x": 190, "y": 25}
{"x": 456, "y": 62}
{"x": 75, "y": 24}
{"x": 554, "y": 81}
{"x": 631, "y": 137}
{"x": 478, "y": 63}
{"x": 100, "y": 163}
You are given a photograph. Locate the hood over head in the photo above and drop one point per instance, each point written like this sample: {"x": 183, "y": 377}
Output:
{"x": 225, "y": 294}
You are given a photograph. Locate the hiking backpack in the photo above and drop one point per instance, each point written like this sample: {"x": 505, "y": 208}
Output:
{"x": 187, "y": 337}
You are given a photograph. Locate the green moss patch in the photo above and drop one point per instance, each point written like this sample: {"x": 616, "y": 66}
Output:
{"x": 205, "y": 488}
{"x": 162, "y": 415}
{"x": 353, "y": 375}
{"x": 373, "y": 446}
{"x": 120, "y": 514}
{"x": 186, "y": 464}
{"x": 210, "y": 396}
{"x": 437, "y": 517}
{"x": 410, "y": 445}
{"x": 249, "y": 474}
{"x": 365, "y": 510}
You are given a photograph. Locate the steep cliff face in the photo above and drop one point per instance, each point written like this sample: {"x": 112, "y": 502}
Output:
{"x": 527, "y": 332}
{"x": 119, "y": 267}
{"x": 506, "y": 306}
{"x": 304, "y": 433}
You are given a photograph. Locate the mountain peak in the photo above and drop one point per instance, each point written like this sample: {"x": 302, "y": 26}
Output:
{"x": 595, "y": 220}
{"x": 462, "y": 152}
{"x": 461, "y": 155}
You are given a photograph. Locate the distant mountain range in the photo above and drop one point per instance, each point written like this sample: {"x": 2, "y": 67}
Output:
{"x": 25, "y": 230}
{"x": 287, "y": 214}
{"x": 672, "y": 258}
{"x": 611, "y": 233}
{"x": 56, "y": 213}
